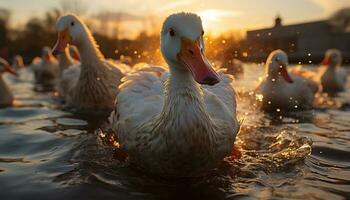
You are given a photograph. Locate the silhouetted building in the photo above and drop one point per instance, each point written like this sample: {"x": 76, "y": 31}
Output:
{"x": 304, "y": 42}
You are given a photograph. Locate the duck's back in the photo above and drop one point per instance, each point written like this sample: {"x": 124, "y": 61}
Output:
{"x": 96, "y": 88}
{"x": 333, "y": 80}
{"x": 68, "y": 80}
{"x": 220, "y": 99}
{"x": 280, "y": 95}
{"x": 47, "y": 73}
{"x": 140, "y": 99}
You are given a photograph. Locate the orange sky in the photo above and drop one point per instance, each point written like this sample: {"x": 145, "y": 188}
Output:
{"x": 217, "y": 15}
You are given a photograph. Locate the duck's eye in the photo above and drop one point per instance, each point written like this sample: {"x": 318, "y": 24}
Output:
{"x": 277, "y": 59}
{"x": 72, "y": 23}
{"x": 171, "y": 32}
{"x": 202, "y": 33}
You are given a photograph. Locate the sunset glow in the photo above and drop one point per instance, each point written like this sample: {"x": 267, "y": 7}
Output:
{"x": 147, "y": 15}
{"x": 215, "y": 20}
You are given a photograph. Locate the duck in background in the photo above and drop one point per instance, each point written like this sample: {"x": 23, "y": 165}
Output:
{"x": 46, "y": 71}
{"x": 233, "y": 65}
{"x": 331, "y": 77}
{"x": 69, "y": 57}
{"x": 94, "y": 88}
{"x": 18, "y": 63}
{"x": 180, "y": 122}
{"x": 24, "y": 72}
{"x": 6, "y": 96}
{"x": 284, "y": 91}
{"x": 69, "y": 62}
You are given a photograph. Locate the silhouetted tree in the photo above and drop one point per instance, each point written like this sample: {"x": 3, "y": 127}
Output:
{"x": 4, "y": 19}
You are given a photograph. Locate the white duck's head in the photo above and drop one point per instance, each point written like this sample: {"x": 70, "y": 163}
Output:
{"x": 5, "y": 67}
{"x": 71, "y": 30}
{"x": 183, "y": 48}
{"x": 18, "y": 61}
{"x": 276, "y": 66}
{"x": 332, "y": 58}
{"x": 46, "y": 54}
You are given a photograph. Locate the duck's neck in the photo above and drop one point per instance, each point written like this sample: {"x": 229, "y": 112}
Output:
{"x": 273, "y": 77}
{"x": 184, "y": 103}
{"x": 65, "y": 61}
{"x": 182, "y": 81}
{"x": 332, "y": 66}
{"x": 90, "y": 54}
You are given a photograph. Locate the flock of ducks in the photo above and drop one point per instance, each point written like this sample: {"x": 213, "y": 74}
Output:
{"x": 175, "y": 121}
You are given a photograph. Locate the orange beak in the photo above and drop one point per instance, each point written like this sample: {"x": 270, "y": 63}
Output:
{"x": 192, "y": 56}
{"x": 10, "y": 70}
{"x": 63, "y": 40}
{"x": 48, "y": 57}
{"x": 76, "y": 56}
{"x": 325, "y": 60}
{"x": 284, "y": 73}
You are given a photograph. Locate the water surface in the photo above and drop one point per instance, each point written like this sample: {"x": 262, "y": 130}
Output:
{"x": 47, "y": 153}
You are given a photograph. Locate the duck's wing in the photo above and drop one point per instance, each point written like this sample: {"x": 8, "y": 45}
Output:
{"x": 35, "y": 65}
{"x": 220, "y": 99}
{"x": 140, "y": 98}
{"x": 310, "y": 83}
{"x": 342, "y": 76}
{"x": 69, "y": 79}
{"x": 123, "y": 68}
{"x": 310, "y": 78}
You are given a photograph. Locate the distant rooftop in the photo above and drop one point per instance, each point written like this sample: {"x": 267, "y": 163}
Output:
{"x": 338, "y": 22}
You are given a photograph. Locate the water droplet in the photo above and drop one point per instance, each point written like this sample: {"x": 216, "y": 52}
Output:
{"x": 259, "y": 97}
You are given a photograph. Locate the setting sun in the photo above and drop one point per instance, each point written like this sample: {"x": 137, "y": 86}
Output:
{"x": 216, "y": 21}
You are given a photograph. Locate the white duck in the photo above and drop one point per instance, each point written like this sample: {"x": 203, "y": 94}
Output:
{"x": 17, "y": 62}
{"x": 177, "y": 127}
{"x": 69, "y": 62}
{"x": 333, "y": 78}
{"x": 69, "y": 57}
{"x": 94, "y": 87}
{"x": 47, "y": 71}
{"x": 282, "y": 91}
{"x": 6, "y": 97}
{"x": 330, "y": 76}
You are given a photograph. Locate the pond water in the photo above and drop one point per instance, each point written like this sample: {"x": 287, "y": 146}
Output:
{"x": 47, "y": 153}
